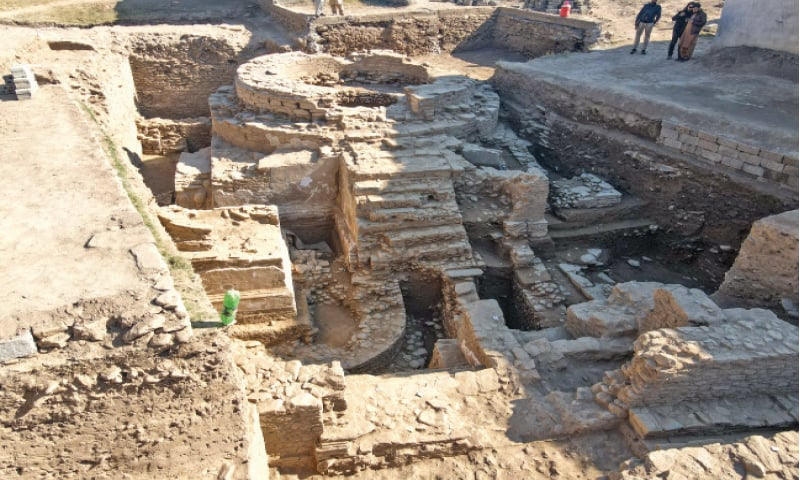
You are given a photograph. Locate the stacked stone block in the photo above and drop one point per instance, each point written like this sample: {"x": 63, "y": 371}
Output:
{"x": 403, "y": 209}
{"x": 160, "y": 137}
{"x": 741, "y": 373}
{"x": 584, "y": 191}
{"x": 718, "y": 150}
{"x": 193, "y": 180}
{"x": 241, "y": 248}
{"x": 678, "y": 306}
{"x": 291, "y": 405}
{"x": 619, "y": 315}
{"x": 24, "y": 82}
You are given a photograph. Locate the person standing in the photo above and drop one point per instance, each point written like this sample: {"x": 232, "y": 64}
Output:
{"x": 647, "y": 17}
{"x": 680, "y": 19}
{"x": 320, "y": 6}
{"x": 691, "y": 33}
{"x": 337, "y": 7}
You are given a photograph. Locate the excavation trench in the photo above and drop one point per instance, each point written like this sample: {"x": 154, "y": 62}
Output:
{"x": 334, "y": 318}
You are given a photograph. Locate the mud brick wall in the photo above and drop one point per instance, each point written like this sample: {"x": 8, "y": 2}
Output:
{"x": 409, "y": 33}
{"x": 174, "y": 74}
{"x": 160, "y": 136}
{"x": 725, "y": 153}
{"x": 449, "y": 29}
{"x": 535, "y": 34}
{"x": 696, "y": 363}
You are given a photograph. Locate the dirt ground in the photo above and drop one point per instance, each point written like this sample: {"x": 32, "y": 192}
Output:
{"x": 160, "y": 416}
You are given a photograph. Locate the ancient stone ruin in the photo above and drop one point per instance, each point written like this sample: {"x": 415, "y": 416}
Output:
{"x": 526, "y": 271}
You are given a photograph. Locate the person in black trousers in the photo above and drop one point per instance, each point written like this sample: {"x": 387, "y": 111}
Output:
{"x": 681, "y": 19}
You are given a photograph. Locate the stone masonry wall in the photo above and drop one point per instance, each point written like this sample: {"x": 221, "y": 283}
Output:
{"x": 695, "y": 363}
{"x": 291, "y": 403}
{"x": 417, "y": 33}
{"x": 160, "y": 136}
{"x": 722, "y": 152}
{"x": 535, "y": 34}
{"x": 410, "y": 33}
{"x": 174, "y": 74}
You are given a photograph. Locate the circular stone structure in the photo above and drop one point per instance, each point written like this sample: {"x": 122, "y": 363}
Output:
{"x": 303, "y": 87}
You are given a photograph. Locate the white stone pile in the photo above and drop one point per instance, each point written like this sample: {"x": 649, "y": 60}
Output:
{"x": 584, "y": 191}
{"x": 24, "y": 81}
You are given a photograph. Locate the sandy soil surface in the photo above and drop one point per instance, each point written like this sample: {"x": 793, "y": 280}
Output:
{"x": 45, "y": 147}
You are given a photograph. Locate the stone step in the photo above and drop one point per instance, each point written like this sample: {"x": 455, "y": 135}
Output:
{"x": 628, "y": 207}
{"x": 560, "y": 232}
{"x": 417, "y": 167}
{"x": 446, "y": 209}
{"x": 422, "y": 253}
{"x": 415, "y": 236}
{"x": 279, "y": 299}
{"x": 716, "y": 416}
{"x": 397, "y": 200}
{"x": 439, "y": 186}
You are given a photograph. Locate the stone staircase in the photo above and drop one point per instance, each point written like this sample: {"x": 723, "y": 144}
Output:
{"x": 404, "y": 209}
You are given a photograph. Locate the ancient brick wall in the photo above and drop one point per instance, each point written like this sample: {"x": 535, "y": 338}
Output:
{"x": 175, "y": 74}
{"x": 408, "y": 33}
{"x": 691, "y": 364}
{"x": 160, "y": 136}
{"x": 725, "y": 153}
{"x": 416, "y": 33}
{"x": 535, "y": 34}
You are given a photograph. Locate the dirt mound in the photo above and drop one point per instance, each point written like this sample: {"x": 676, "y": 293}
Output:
{"x": 754, "y": 61}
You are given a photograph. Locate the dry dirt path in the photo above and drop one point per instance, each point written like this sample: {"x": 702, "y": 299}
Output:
{"x": 59, "y": 192}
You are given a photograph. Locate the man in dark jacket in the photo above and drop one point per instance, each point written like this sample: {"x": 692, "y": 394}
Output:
{"x": 647, "y": 17}
{"x": 680, "y": 19}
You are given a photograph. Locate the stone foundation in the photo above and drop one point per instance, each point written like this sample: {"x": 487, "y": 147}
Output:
{"x": 765, "y": 271}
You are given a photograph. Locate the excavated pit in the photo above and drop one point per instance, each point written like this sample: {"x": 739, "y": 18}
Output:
{"x": 467, "y": 212}
{"x": 331, "y": 83}
{"x": 431, "y": 265}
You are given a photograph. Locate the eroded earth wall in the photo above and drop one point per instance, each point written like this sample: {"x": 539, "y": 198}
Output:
{"x": 761, "y": 274}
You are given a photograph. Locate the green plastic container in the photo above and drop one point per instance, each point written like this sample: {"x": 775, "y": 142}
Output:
{"x": 229, "y": 305}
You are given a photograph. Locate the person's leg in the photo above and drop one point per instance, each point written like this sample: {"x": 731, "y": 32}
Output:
{"x": 639, "y": 31}
{"x": 672, "y": 44}
{"x": 648, "y": 28}
{"x": 320, "y": 5}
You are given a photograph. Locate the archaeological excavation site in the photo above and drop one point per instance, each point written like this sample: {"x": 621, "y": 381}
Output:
{"x": 423, "y": 239}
